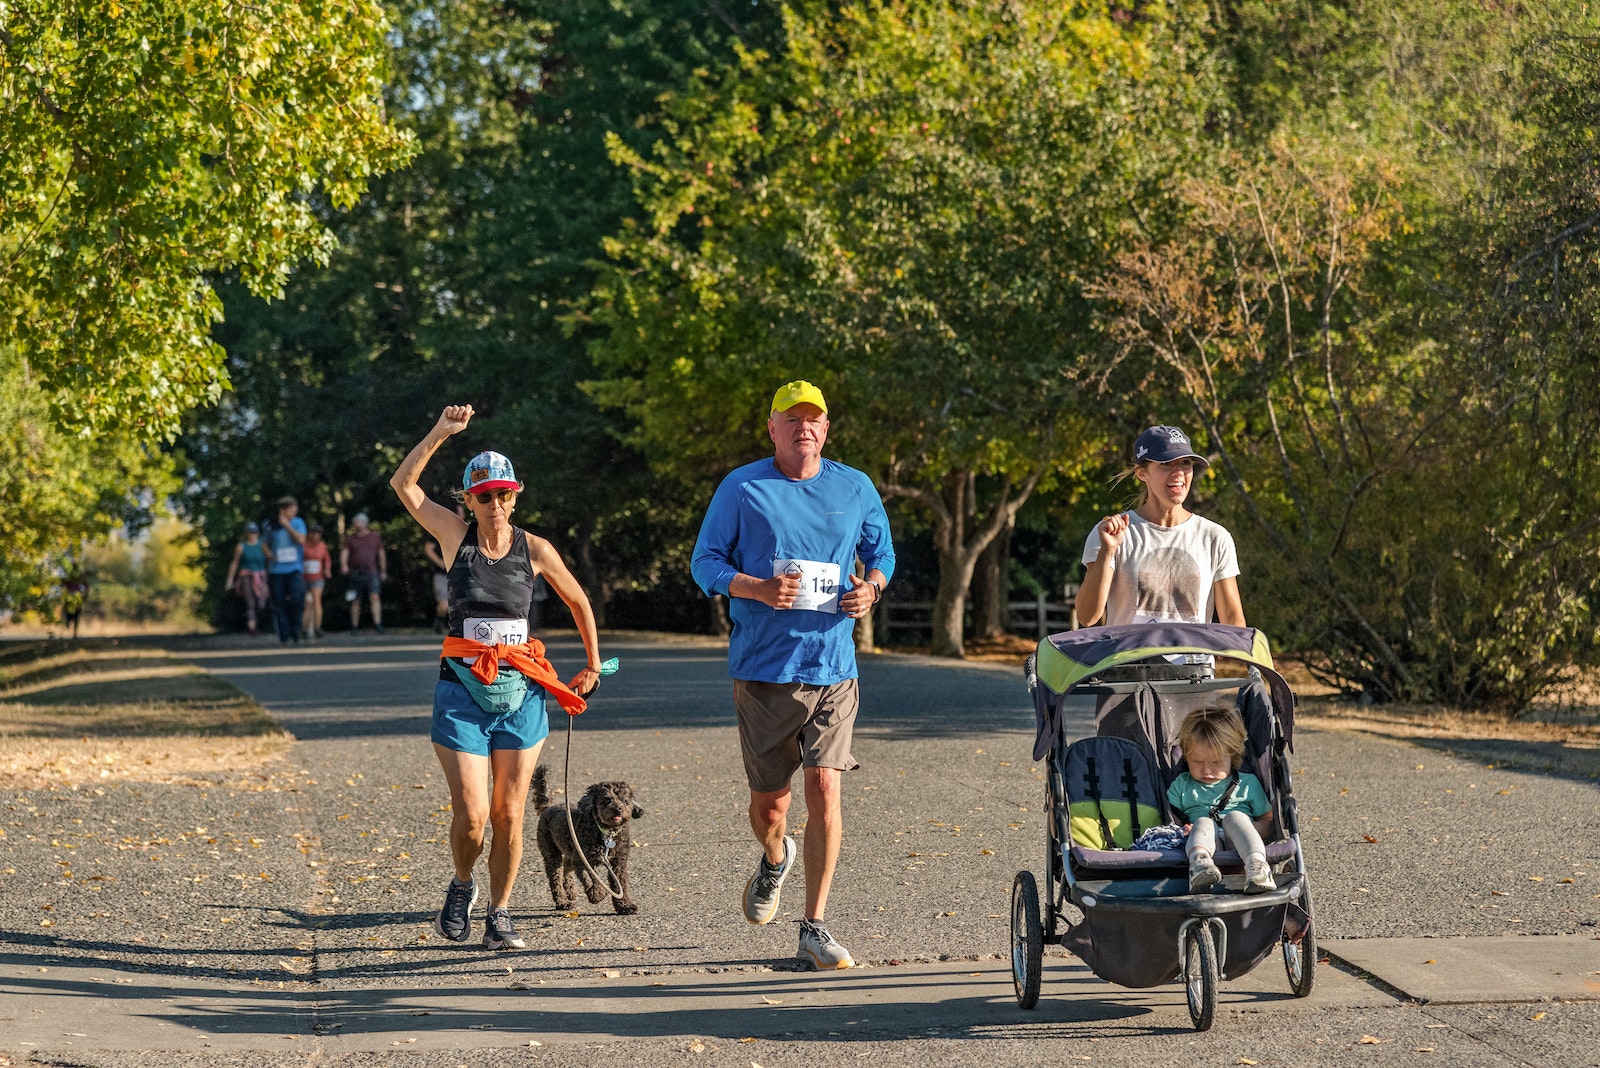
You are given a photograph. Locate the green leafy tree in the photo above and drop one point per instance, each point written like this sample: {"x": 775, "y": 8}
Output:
{"x": 900, "y": 206}
{"x": 448, "y": 284}
{"x": 150, "y": 143}
{"x": 1404, "y": 456}
{"x": 62, "y": 491}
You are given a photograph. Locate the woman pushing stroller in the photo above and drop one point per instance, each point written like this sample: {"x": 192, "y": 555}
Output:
{"x": 1160, "y": 563}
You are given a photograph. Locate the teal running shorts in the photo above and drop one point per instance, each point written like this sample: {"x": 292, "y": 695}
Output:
{"x": 461, "y": 725}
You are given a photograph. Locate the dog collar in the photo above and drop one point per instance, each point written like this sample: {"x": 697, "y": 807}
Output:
{"x": 608, "y": 833}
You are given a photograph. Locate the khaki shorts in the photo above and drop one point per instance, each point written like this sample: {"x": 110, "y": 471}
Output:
{"x": 787, "y": 725}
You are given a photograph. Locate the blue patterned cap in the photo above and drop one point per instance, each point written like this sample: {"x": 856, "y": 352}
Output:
{"x": 489, "y": 471}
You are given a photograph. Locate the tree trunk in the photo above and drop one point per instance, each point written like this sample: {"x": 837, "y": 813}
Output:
{"x": 864, "y": 629}
{"x": 720, "y": 625}
{"x": 955, "y": 515}
{"x": 592, "y": 582}
{"x": 950, "y": 603}
{"x": 991, "y": 586}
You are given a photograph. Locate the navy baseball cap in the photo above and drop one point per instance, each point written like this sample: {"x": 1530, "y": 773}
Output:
{"x": 1163, "y": 444}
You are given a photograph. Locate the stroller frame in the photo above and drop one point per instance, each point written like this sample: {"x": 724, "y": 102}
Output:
{"x": 1136, "y": 904}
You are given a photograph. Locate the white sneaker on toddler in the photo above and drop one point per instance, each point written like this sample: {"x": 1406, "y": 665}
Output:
{"x": 1258, "y": 874}
{"x": 1203, "y": 873}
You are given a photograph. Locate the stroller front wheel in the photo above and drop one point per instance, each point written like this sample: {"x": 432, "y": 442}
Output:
{"x": 1027, "y": 940}
{"x": 1300, "y": 954}
{"x": 1200, "y": 974}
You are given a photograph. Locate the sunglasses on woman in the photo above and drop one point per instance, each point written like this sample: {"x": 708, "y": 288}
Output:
{"x": 494, "y": 495}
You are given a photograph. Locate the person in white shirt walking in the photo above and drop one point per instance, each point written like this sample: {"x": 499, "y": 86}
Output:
{"x": 1160, "y": 563}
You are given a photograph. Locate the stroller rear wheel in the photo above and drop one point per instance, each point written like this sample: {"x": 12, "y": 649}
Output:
{"x": 1200, "y": 974}
{"x": 1027, "y": 940}
{"x": 1300, "y": 954}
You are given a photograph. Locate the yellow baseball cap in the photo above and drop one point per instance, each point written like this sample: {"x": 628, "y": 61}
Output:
{"x": 797, "y": 392}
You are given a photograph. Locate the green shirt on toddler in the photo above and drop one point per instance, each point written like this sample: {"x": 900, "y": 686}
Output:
{"x": 1193, "y": 799}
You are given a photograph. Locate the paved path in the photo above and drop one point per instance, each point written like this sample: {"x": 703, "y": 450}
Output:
{"x": 288, "y": 909}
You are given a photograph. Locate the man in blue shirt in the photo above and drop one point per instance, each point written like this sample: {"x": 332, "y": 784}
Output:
{"x": 780, "y": 540}
{"x": 286, "y": 580}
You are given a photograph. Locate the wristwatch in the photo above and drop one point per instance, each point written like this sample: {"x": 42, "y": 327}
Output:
{"x": 876, "y": 585}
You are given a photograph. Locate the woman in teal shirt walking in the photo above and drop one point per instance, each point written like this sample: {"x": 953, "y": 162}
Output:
{"x": 247, "y": 574}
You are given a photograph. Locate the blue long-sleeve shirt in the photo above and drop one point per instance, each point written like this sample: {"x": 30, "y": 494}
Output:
{"x": 284, "y": 554}
{"x": 758, "y": 516}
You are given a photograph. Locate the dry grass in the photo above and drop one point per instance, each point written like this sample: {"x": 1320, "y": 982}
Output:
{"x": 1006, "y": 649}
{"x": 1563, "y": 737}
{"x": 77, "y": 715}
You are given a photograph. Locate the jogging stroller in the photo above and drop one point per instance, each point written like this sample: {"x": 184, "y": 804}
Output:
{"x": 1140, "y": 925}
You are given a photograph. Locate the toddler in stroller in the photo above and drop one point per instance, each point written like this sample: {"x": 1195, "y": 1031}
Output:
{"x": 1213, "y": 791}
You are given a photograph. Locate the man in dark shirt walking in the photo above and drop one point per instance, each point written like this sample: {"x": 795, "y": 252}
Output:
{"x": 364, "y": 562}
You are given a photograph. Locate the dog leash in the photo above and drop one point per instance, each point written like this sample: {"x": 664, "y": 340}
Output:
{"x": 607, "y": 667}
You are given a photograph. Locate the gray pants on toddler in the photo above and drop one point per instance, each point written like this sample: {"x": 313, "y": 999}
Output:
{"x": 1237, "y": 830}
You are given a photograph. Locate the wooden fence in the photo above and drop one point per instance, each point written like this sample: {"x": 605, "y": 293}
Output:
{"x": 1035, "y": 618}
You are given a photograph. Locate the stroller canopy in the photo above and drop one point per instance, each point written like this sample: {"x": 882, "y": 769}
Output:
{"x": 1066, "y": 659}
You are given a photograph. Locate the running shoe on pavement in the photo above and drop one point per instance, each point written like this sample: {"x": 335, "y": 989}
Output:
{"x": 761, "y": 892}
{"x": 501, "y": 933}
{"x": 455, "y": 919}
{"x": 818, "y": 950}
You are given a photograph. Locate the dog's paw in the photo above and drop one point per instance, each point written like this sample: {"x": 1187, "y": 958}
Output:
{"x": 626, "y": 908}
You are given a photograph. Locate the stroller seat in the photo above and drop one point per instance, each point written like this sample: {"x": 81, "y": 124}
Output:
{"x": 1115, "y": 786}
{"x": 1107, "y": 862}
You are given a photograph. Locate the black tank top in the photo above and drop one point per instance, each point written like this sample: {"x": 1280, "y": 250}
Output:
{"x": 481, "y": 588}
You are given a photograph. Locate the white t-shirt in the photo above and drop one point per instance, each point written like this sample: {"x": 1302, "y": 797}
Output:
{"x": 1165, "y": 574}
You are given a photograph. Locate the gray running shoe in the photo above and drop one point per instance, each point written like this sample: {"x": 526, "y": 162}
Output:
{"x": 455, "y": 919}
{"x": 761, "y": 892}
{"x": 501, "y": 933}
{"x": 1258, "y": 875}
{"x": 819, "y": 951}
{"x": 1203, "y": 873}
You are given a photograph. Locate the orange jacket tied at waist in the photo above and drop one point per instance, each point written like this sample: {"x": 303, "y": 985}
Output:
{"x": 527, "y": 658}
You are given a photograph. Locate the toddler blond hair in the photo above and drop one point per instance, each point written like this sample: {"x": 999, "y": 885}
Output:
{"x": 1218, "y": 726}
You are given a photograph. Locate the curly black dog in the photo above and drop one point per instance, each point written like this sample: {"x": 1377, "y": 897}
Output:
{"x": 601, "y": 819}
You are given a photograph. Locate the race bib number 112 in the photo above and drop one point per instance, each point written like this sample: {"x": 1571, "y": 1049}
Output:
{"x": 819, "y": 583}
